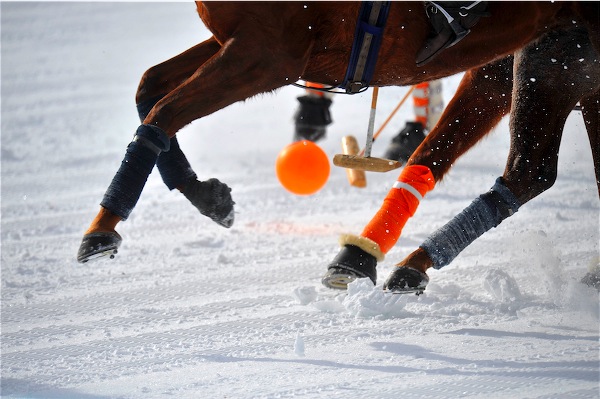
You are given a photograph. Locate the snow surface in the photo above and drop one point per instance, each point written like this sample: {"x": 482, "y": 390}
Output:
{"x": 191, "y": 310}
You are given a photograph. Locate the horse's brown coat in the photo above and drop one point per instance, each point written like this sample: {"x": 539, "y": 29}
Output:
{"x": 261, "y": 46}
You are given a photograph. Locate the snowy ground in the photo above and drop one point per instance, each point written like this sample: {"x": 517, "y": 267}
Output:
{"x": 191, "y": 310}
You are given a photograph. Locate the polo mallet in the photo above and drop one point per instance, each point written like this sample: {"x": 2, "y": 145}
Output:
{"x": 356, "y": 178}
{"x": 355, "y": 162}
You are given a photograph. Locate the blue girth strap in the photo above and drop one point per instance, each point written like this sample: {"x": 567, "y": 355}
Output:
{"x": 365, "y": 49}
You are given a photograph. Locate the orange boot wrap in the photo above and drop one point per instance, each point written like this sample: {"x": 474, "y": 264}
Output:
{"x": 421, "y": 103}
{"x": 399, "y": 205}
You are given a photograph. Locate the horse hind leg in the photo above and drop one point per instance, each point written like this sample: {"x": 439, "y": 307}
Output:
{"x": 543, "y": 96}
{"x": 590, "y": 108}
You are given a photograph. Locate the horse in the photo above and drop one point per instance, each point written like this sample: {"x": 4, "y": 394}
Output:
{"x": 258, "y": 47}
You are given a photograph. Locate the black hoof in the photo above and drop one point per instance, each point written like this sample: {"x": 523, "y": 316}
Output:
{"x": 406, "y": 142}
{"x": 406, "y": 280}
{"x": 97, "y": 245}
{"x": 213, "y": 199}
{"x": 312, "y": 118}
{"x": 351, "y": 263}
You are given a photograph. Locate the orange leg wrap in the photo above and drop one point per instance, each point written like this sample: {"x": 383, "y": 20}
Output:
{"x": 399, "y": 205}
{"x": 421, "y": 103}
{"x": 317, "y": 93}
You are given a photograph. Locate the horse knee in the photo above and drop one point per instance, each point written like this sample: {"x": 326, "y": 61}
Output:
{"x": 151, "y": 85}
{"x": 528, "y": 184}
{"x": 544, "y": 181}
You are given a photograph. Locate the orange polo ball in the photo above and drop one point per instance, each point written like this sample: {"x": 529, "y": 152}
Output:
{"x": 302, "y": 168}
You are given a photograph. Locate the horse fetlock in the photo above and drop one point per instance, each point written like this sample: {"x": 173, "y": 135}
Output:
{"x": 213, "y": 199}
{"x": 418, "y": 259}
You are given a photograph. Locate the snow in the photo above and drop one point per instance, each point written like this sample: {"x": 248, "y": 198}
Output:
{"x": 189, "y": 309}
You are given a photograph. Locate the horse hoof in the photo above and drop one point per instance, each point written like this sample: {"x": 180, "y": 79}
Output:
{"x": 311, "y": 118}
{"x": 98, "y": 245}
{"x": 592, "y": 278}
{"x": 405, "y": 142}
{"x": 350, "y": 264}
{"x": 213, "y": 199}
{"x": 406, "y": 280}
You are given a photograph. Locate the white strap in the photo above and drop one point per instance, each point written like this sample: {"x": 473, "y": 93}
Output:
{"x": 409, "y": 188}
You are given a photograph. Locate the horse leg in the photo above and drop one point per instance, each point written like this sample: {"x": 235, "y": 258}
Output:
{"x": 590, "y": 107}
{"x": 231, "y": 75}
{"x": 482, "y": 99}
{"x": 101, "y": 238}
{"x": 212, "y": 197}
{"x": 165, "y": 77}
{"x": 532, "y": 163}
{"x": 540, "y": 93}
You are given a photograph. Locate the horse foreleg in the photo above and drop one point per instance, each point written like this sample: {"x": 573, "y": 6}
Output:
{"x": 101, "y": 238}
{"x": 482, "y": 99}
{"x": 538, "y": 116}
{"x": 212, "y": 197}
{"x": 156, "y": 82}
{"x": 165, "y": 77}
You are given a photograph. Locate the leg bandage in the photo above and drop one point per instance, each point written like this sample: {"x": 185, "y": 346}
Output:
{"x": 173, "y": 166}
{"x": 141, "y": 155}
{"x": 485, "y": 212}
{"x": 144, "y": 107}
{"x": 400, "y": 204}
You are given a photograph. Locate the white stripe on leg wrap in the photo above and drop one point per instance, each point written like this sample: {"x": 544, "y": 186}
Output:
{"x": 409, "y": 188}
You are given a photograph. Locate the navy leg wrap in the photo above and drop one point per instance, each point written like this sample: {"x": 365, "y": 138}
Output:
{"x": 146, "y": 106}
{"x": 173, "y": 166}
{"x": 485, "y": 212}
{"x": 141, "y": 155}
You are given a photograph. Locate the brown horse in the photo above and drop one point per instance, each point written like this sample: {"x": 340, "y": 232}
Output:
{"x": 258, "y": 47}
